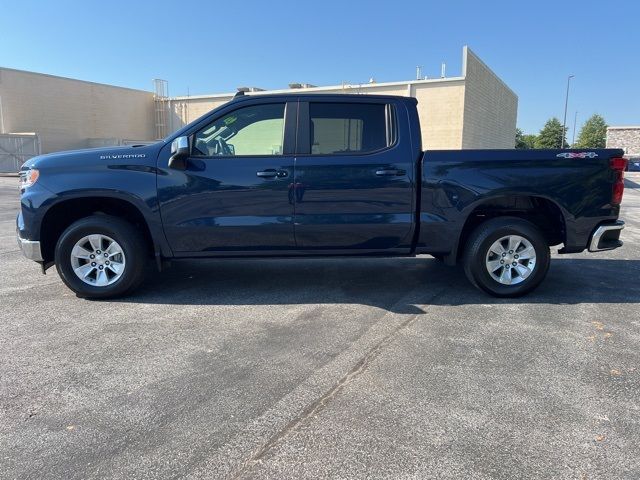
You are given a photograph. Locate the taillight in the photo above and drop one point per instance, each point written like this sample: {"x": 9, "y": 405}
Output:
{"x": 618, "y": 165}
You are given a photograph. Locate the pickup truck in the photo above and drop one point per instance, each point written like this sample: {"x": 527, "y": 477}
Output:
{"x": 314, "y": 175}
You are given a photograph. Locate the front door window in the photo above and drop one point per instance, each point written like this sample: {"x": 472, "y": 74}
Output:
{"x": 256, "y": 130}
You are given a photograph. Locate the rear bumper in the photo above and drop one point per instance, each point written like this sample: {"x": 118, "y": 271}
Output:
{"x": 606, "y": 237}
{"x": 30, "y": 248}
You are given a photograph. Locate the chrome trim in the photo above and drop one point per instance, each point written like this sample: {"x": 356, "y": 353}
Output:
{"x": 180, "y": 143}
{"x": 597, "y": 235}
{"x": 30, "y": 249}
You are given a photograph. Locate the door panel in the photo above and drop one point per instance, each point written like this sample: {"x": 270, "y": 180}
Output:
{"x": 352, "y": 191}
{"x": 224, "y": 202}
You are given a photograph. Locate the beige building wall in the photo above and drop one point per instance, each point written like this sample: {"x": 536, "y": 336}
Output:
{"x": 69, "y": 114}
{"x": 490, "y": 107}
{"x": 441, "y": 111}
{"x": 440, "y": 106}
{"x": 475, "y": 110}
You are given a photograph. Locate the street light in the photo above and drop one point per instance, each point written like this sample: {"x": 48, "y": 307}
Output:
{"x": 566, "y": 103}
{"x": 575, "y": 125}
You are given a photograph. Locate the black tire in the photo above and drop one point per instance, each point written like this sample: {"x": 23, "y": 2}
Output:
{"x": 126, "y": 235}
{"x": 477, "y": 250}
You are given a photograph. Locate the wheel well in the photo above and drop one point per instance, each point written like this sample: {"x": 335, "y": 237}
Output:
{"x": 543, "y": 213}
{"x": 63, "y": 214}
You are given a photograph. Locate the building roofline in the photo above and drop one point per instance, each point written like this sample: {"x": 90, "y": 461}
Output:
{"x": 623, "y": 127}
{"x": 74, "y": 80}
{"x": 346, "y": 88}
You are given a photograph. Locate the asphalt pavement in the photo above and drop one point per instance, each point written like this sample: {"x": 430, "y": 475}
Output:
{"x": 323, "y": 368}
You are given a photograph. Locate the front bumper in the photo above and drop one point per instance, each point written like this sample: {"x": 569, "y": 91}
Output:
{"x": 606, "y": 237}
{"x": 30, "y": 248}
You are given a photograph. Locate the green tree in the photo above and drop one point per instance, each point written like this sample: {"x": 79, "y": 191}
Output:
{"x": 593, "y": 133}
{"x": 551, "y": 135}
{"x": 524, "y": 141}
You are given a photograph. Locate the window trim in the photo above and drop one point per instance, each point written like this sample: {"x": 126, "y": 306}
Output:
{"x": 303, "y": 137}
{"x": 288, "y": 132}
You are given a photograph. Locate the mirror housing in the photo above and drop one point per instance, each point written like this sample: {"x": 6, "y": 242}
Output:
{"x": 179, "y": 153}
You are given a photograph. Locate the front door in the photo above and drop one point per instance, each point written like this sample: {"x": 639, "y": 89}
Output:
{"x": 234, "y": 195}
{"x": 354, "y": 186}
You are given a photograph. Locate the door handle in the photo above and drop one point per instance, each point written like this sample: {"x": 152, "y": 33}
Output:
{"x": 388, "y": 172}
{"x": 272, "y": 173}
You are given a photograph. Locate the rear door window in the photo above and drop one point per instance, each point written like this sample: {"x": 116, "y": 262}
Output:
{"x": 349, "y": 128}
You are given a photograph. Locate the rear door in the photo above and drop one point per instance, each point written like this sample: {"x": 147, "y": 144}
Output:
{"x": 354, "y": 176}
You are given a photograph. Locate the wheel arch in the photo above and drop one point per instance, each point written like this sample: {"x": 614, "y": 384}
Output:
{"x": 543, "y": 212}
{"x": 66, "y": 211}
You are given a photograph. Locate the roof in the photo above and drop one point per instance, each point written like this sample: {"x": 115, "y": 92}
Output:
{"x": 316, "y": 96}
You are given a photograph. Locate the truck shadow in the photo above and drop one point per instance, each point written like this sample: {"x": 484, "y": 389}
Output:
{"x": 401, "y": 285}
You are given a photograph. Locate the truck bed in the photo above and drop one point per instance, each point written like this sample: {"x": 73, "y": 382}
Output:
{"x": 575, "y": 184}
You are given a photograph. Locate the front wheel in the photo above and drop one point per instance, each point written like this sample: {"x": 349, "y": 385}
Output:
{"x": 506, "y": 257}
{"x": 101, "y": 257}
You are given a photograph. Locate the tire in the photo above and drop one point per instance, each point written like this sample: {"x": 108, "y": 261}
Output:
{"x": 501, "y": 234}
{"x": 117, "y": 277}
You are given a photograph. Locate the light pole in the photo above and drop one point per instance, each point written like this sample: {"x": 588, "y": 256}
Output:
{"x": 566, "y": 103}
{"x": 575, "y": 124}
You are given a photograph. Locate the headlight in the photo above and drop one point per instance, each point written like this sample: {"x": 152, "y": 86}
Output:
{"x": 28, "y": 177}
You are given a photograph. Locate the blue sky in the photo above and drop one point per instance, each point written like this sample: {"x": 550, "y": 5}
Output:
{"x": 210, "y": 47}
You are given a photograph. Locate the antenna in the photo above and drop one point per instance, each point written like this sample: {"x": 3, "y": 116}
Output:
{"x": 419, "y": 72}
{"x": 443, "y": 70}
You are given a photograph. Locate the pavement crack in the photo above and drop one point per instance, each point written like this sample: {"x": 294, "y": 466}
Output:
{"x": 321, "y": 403}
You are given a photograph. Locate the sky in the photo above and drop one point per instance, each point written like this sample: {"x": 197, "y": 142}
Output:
{"x": 203, "y": 47}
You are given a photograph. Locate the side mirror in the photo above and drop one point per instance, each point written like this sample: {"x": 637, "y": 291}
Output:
{"x": 179, "y": 153}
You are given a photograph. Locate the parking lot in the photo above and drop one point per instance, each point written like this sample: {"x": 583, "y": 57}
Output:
{"x": 336, "y": 368}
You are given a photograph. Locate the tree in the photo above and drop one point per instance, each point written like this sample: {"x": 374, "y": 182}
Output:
{"x": 551, "y": 135}
{"x": 593, "y": 133}
{"x": 524, "y": 141}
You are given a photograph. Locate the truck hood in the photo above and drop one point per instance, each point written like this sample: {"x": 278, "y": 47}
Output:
{"x": 138, "y": 155}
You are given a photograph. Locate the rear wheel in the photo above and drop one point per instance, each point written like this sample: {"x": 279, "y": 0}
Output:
{"x": 506, "y": 257}
{"x": 101, "y": 257}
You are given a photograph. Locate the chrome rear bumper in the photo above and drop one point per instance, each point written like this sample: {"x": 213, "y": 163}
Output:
{"x": 30, "y": 249}
{"x": 606, "y": 237}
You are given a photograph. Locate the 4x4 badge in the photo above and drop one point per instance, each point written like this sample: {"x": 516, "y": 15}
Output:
{"x": 577, "y": 155}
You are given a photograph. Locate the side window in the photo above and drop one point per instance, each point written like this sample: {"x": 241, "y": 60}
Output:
{"x": 349, "y": 127}
{"x": 253, "y": 130}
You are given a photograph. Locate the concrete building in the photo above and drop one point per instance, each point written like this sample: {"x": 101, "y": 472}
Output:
{"x": 473, "y": 110}
{"x": 627, "y": 138}
{"x": 67, "y": 113}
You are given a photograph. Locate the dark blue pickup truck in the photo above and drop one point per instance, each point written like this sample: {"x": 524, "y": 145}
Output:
{"x": 314, "y": 175}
